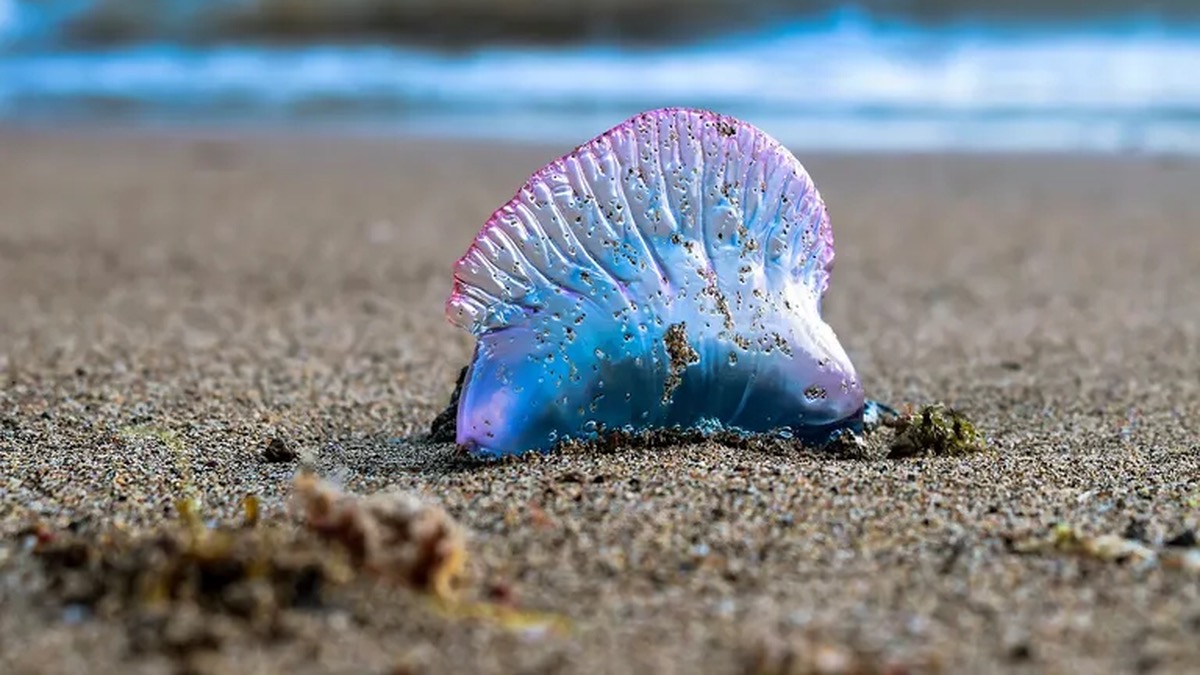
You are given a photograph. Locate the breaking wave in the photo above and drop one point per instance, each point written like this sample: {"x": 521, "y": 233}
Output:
{"x": 839, "y": 79}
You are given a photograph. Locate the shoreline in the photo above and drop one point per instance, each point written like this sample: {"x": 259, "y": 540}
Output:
{"x": 269, "y": 132}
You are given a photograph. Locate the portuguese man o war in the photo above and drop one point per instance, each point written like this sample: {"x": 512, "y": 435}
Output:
{"x": 667, "y": 274}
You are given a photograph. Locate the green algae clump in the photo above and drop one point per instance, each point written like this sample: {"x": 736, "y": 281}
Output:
{"x": 934, "y": 430}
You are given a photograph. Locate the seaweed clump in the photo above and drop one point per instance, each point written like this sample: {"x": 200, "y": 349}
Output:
{"x": 933, "y": 430}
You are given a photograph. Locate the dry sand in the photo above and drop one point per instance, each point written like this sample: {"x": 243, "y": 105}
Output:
{"x": 169, "y": 305}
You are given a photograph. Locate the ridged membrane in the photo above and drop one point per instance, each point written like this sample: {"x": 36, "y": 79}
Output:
{"x": 667, "y": 273}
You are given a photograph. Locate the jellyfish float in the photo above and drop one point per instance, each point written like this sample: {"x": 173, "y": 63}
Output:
{"x": 666, "y": 274}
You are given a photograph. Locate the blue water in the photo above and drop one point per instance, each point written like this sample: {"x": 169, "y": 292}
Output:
{"x": 848, "y": 83}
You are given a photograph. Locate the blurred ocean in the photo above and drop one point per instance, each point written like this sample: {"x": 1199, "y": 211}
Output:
{"x": 882, "y": 75}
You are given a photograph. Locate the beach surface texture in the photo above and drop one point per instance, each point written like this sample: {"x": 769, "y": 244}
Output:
{"x": 187, "y": 318}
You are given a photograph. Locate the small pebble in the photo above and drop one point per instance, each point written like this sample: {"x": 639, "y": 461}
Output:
{"x": 278, "y": 450}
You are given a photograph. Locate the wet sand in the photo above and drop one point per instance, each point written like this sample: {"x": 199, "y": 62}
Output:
{"x": 170, "y": 305}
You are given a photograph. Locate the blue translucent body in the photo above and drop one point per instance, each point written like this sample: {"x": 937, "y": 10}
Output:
{"x": 668, "y": 273}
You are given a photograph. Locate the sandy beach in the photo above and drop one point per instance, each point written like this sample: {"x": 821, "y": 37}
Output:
{"x": 170, "y": 304}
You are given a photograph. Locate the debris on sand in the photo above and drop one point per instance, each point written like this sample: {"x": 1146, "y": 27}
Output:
{"x": 934, "y": 430}
{"x": 395, "y": 536}
{"x": 184, "y": 586}
{"x": 278, "y": 451}
{"x": 849, "y": 444}
{"x": 189, "y": 586}
{"x": 1140, "y": 555}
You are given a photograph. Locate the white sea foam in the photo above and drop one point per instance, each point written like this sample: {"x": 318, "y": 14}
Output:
{"x": 848, "y": 84}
